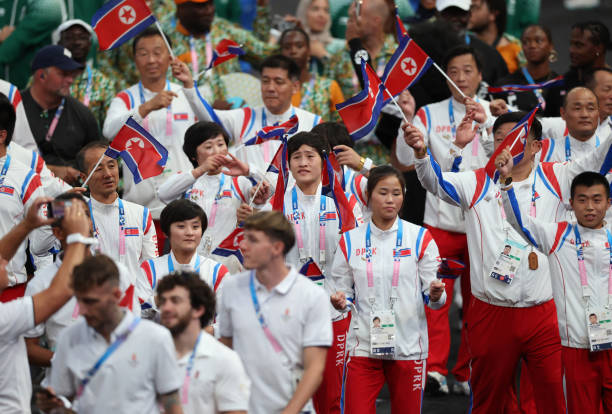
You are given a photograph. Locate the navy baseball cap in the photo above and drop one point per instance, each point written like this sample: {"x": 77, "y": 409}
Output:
{"x": 55, "y": 55}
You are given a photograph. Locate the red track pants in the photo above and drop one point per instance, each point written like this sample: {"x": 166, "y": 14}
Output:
{"x": 366, "y": 377}
{"x": 451, "y": 246}
{"x": 326, "y": 399}
{"x": 497, "y": 338}
{"x": 588, "y": 380}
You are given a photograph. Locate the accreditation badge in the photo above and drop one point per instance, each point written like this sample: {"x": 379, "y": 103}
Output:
{"x": 382, "y": 333}
{"x": 508, "y": 261}
{"x": 599, "y": 328}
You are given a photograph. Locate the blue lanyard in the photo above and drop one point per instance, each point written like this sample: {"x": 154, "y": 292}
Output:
{"x": 221, "y": 183}
{"x": 5, "y": 167}
{"x": 568, "y": 147}
{"x": 171, "y": 263}
{"x": 109, "y": 351}
{"x": 451, "y": 116}
{"x": 185, "y": 388}
{"x": 537, "y": 92}
{"x": 264, "y": 118}
{"x": 264, "y": 325}
{"x": 121, "y": 218}
{"x": 398, "y": 242}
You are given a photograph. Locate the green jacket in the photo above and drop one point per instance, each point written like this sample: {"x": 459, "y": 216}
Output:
{"x": 34, "y": 20}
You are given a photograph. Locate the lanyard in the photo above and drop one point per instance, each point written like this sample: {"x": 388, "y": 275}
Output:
{"x": 121, "y": 227}
{"x": 266, "y": 144}
{"x": 298, "y": 227}
{"x": 586, "y": 291}
{"x": 213, "y": 209}
{"x": 532, "y": 211}
{"x": 55, "y": 120}
{"x": 168, "y": 109}
{"x": 396, "y": 265}
{"x": 264, "y": 325}
{"x": 88, "y": 87}
{"x": 467, "y": 38}
{"x": 195, "y": 67}
{"x": 5, "y": 167}
{"x": 451, "y": 117}
{"x": 568, "y": 147}
{"x": 209, "y": 50}
{"x": 537, "y": 92}
{"x": 171, "y": 264}
{"x": 185, "y": 390}
{"x": 307, "y": 91}
{"x": 109, "y": 351}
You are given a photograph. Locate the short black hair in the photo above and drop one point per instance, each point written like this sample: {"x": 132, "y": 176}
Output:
{"x": 335, "y": 133}
{"x": 80, "y": 157}
{"x": 199, "y": 132}
{"x": 200, "y": 294}
{"x": 149, "y": 32}
{"x": 282, "y": 62}
{"x": 181, "y": 210}
{"x": 311, "y": 139}
{"x": 515, "y": 117}
{"x": 600, "y": 34}
{"x": 590, "y": 179}
{"x": 7, "y": 118}
{"x": 380, "y": 173}
{"x": 545, "y": 29}
{"x": 589, "y": 77}
{"x": 293, "y": 29}
{"x": 459, "y": 51}
{"x": 501, "y": 8}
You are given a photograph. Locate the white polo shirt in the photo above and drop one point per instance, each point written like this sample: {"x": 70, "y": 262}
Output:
{"x": 297, "y": 313}
{"x": 22, "y": 133}
{"x": 129, "y": 381}
{"x": 16, "y": 318}
{"x": 218, "y": 382}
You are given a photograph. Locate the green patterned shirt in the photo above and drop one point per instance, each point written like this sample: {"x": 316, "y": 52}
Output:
{"x": 101, "y": 92}
{"x": 319, "y": 96}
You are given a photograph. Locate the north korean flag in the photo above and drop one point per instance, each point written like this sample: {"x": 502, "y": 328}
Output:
{"x": 230, "y": 246}
{"x": 225, "y": 50}
{"x": 408, "y": 63}
{"x": 515, "y": 141}
{"x": 280, "y": 166}
{"x": 312, "y": 271}
{"x": 331, "y": 182}
{"x": 117, "y": 21}
{"x": 143, "y": 155}
{"x": 360, "y": 113}
{"x": 275, "y": 131}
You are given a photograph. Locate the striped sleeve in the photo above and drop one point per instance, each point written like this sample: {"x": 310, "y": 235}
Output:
{"x": 219, "y": 272}
{"x": 149, "y": 236}
{"x": 31, "y": 187}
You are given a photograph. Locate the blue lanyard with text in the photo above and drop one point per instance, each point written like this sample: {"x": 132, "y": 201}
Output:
{"x": 171, "y": 264}
{"x": 568, "y": 147}
{"x": 121, "y": 226}
{"x": 396, "y": 265}
{"x": 185, "y": 388}
{"x": 5, "y": 167}
{"x": 213, "y": 209}
{"x": 55, "y": 120}
{"x": 298, "y": 227}
{"x": 586, "y": 292}
{"x": 109, "y": 351}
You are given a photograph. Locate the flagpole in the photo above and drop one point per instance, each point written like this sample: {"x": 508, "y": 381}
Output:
{"x": 255, "y": 193}
{"x": 448, "y": 79}
{"x": 397, "y": 105}
{"x": 93, "y": 170}
{"x": 165, "y": 40}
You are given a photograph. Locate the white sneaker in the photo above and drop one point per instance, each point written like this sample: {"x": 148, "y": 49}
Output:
{"x": 436, "y": 383}
{"x": 462, "y": 388}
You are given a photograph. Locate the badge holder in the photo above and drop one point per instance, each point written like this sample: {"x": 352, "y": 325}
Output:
{"x": 599, "y": 328}
{"x": 508, "y": 261}
{"x": 382, "y": 333}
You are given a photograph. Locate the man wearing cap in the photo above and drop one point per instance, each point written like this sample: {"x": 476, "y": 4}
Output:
{"x": 61, "y": 125}
{"x": 91, "y": 87}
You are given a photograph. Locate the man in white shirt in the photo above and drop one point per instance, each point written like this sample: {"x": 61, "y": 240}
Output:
{"x": 124, "y": 229}
{"x": 600, "y": 82}
{"x": 438, "y": 123}
{"x": 22, "y": 127}
{"x": 283, "y": 337}
{"x": 110, "y": 360}
{"x": 279, "y": 82}
{"x": 21, "y": 315}
{"x": 160, "y": 107}
{"x": 214, "y": 380}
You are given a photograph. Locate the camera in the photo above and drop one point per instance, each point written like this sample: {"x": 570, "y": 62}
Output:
{"x": 56, "y": 208}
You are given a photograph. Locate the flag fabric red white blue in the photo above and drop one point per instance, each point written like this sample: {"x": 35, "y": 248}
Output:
{"x": 515, "y": 141}
{"x": 312, "y": 271}
{"x": 230, "y": 246}
{"x": 280, "y": 166}
{"x": 226, "y": 49}
{"x": 558, "y": 81}
{"x": 117, "y": 21}
{"x": 143, "y": 155}
{"x": 274, "y": 131}
{"x": 399, "y": 26}
{"x": 360, "y": 113}
{"x": 407, "y": 64}
{"x": 331, "y": 182}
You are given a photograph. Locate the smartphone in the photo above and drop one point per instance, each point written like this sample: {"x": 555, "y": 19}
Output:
{"x": 56, "y": 208}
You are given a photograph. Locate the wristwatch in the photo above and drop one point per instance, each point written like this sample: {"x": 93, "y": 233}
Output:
{"x": 79, "y": 238}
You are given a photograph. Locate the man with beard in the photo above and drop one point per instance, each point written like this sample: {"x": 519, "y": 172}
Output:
{"x": 214, "y": 380}
{"x": 61, "y": 125}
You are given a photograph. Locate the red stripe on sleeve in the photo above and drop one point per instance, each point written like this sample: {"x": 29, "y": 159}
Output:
{"x": 426, "y": 240}
{"x": 561, "y": 228}
{"x": 34, "y": 185}
{"x": 222, "y": 272}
